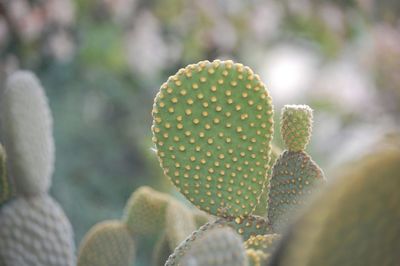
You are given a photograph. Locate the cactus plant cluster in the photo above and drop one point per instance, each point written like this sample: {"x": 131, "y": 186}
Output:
{"x": 33, "y": 228}
{"x": 212, "y": 130}
{"x": 147, "y": 213}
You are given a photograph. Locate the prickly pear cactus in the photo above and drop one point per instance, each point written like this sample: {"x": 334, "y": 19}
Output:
{"x": 107, "y": 243}
{"x": 295, "y": 175}
{"x": 145, "y": 211}
{"x": 296, "y": 126}
{"x": 27, "y": 132}
{"x": 212, "y": 130}
{"x": 35, "y": 232}
{"x": 216, "y": 247}
{"x": 6, "y": 188}
{"x": 357, "y": 217}
{"x": 33, "y": 228}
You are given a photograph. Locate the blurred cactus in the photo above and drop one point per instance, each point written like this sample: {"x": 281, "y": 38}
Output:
{"x": 145, "y": 211}
{"x": 34, "y": 230}
{"x": 179, "y": 223}
{"x": 295, "y": 175}
{"x": 6, "y": 188}
{"x": 212, "y": 130}
{"x": 355, "y": 221}
{"x": 27, "y": 133}
{"x": 161, "y": 251}
{"x": 216, "y": 247}
{"x": 107, "y": 243}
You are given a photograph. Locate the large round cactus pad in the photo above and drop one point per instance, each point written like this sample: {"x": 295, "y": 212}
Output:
{"x": 212, "y": 129}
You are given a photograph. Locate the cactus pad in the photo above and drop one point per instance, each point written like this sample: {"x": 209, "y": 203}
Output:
{"x": 35, "y": 232}
{"x": 296, "y": 126}
{"x": 107, "y": 243}
{"x": 5, "y": 185}
{"x": 27, "y": 132}
{"x": 145, "y": 211}
{"x": 354, "y": 222}
{"x": 216, "y": 247}
{"x": 212, "y": 129}
{"x": 179, "y": 223}
{"x": 294, "y": 176}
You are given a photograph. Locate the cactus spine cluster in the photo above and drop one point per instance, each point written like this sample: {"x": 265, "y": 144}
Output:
{"x": 33, "y": 228}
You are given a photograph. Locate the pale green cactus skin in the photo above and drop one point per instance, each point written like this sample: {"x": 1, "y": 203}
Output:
{"x": 35, "y": 232}
{"x": 354, "y": 221}
{"x": 145, "y": 211}
{"x": 107, "y": 243}
{"x": 27, "y": 133}
{"x": 33, "y": 228}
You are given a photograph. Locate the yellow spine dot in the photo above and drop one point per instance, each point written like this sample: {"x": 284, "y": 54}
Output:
{"x": 189, "y": 101}
{"x": 195, "y": 86}
{"x": 188, "y": 111}
{"x": 182, "y": 148}
{"x": 213, "y": 88}
{"x": 203, "y": 79}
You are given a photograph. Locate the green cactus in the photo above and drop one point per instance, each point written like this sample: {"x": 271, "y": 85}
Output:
{"x": 212, "y": 130}
{"x": 355, "y": 221}
{"x": 35, "y": 231}
{"x": 107, "y": 243}
{"x": 145, "y": 211}
{"x": 6, "y": 188}
{"x": 33, "y": 228}
{"x": 216, "y": 247}
{"x": 295, "y": 175}
{"x": 296, "y": 126}
{"x": 27, "y": 132}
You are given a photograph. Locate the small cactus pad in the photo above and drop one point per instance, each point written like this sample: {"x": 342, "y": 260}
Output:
{"x": 296, "y": 126}
{"x": 179, "y": 223}
{"x": 294, "y": 176}
{"x": 27, "y": 132}
{"x": 5, "y": 185}
{"x": 35, "y": 232}
{"x": 145, "y": 211}
{"x": 216, "y": 247}
{"x": 355, "y": 222}
{"x": 212, "y": 130}
{"x": 107, "y": 243}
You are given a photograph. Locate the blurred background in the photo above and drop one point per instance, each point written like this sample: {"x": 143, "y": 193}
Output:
{"x": 102, "y": 62}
